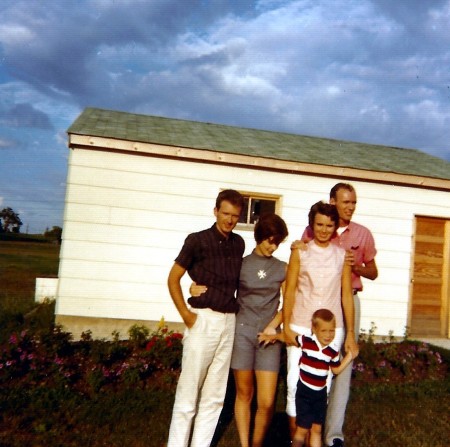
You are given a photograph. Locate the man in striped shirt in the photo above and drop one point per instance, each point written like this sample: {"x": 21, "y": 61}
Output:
{"x": 213, "y": 258}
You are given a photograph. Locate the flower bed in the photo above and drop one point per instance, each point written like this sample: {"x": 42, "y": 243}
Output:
{"x": 89, "y": 366}
{"x": 398, "y": 362}
{"x": 52, "y": 359}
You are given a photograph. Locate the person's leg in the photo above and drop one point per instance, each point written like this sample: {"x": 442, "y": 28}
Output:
{"x": 293, "y": 358}
{"x": 315, "y": 438}
{"x": 266, "y": 385}
{"x": 340, "y": 392}
{"x": 299, "y": 437}
{"x": 220, "y": 331}
{"x": 195, "y": 362}
{"x": 244, "y": 381}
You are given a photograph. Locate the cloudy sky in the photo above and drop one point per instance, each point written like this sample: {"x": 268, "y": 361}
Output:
{"x": 375, "y": 71}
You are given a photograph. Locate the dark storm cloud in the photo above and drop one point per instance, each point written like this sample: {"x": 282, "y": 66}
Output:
{"x": 60, "y": 49}
{"x": 25, "y": 115}
{"x": 79, "y": 48}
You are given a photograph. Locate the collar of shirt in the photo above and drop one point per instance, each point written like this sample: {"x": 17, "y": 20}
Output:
{"x": 349, "y": 227}
{"x": 220, "y": 237}
{"x": 332, "y": 344}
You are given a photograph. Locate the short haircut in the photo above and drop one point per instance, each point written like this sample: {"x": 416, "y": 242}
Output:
{"x": 232, "y": 196}
{"x": 326, "y": 209}
{"x": 270, "y": 226}
{"x": 338, "y": 186}
{"x": 322, "y": 315}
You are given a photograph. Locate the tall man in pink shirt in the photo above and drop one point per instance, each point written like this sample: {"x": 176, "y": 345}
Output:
{"x": 360, "y": 246}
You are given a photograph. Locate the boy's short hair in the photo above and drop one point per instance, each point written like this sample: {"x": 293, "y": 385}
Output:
{"x": 326, "y": 209}
{"x": 270, "y": 226}
{"x": 232, "y": 196}
{"x": 322, "y": 315}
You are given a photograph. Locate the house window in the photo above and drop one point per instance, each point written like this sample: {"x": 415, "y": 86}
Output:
{"x": 255, "y": 206}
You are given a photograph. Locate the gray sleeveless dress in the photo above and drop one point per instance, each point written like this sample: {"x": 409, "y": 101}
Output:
{"x": 259, "y": 298}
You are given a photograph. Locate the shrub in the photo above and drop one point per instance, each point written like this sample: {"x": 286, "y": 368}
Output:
{"x": 396, "y": 362}
{"x": 52, "y": 358}
{"x": 138, "y": 334}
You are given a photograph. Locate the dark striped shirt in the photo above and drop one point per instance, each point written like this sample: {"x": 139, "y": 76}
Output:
{"x": 315, "y": 361}
{"x": 214, "y": 261}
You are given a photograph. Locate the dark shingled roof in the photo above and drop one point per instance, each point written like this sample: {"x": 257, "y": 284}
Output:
{"x": 261, "y": 143}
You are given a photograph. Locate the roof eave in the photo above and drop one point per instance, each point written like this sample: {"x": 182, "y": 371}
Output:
{"x": 256, "y": 162}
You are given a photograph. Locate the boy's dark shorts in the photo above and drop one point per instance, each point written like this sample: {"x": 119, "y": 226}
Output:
{"x": 311, "y": 406}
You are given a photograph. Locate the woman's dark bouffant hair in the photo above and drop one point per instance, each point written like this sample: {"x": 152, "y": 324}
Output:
{"x": 270, "y": 226}
{"x": 326, "y": 209}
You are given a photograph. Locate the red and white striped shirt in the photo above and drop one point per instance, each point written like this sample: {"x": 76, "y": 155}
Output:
{"x": 315, "y": 361}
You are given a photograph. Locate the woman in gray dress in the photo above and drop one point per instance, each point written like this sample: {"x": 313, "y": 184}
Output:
{"x": 255, "y": 366}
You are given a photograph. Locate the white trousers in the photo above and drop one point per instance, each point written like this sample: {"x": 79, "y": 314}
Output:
{"x": 340, "y": 391}
{"x": 293, "y": 359}
{"x": 201, "y": 388}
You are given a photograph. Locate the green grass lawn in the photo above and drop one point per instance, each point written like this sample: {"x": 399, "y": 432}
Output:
{"x": 65, "y": 404}
{"x": 410, "y": 415}
{"x": 21, "y": 262}
{"x": 394, "y": 416}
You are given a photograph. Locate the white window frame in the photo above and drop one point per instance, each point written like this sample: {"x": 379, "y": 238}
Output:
{"x": 253, "y": 196}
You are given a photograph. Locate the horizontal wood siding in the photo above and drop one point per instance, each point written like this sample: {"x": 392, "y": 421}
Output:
{"x": 127, "y": 216}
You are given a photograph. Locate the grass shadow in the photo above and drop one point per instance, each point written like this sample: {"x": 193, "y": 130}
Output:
{"x": 278, "y": 433}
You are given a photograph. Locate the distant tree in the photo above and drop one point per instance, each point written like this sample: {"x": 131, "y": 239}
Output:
{"x": 54, "y": 234}
{"x": 11, "y": 220}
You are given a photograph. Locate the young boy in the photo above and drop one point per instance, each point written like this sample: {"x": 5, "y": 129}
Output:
{"x": 319, "y": 356}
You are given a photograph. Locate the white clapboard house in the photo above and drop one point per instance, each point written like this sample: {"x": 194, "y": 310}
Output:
{"x": 137, "y": 185}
